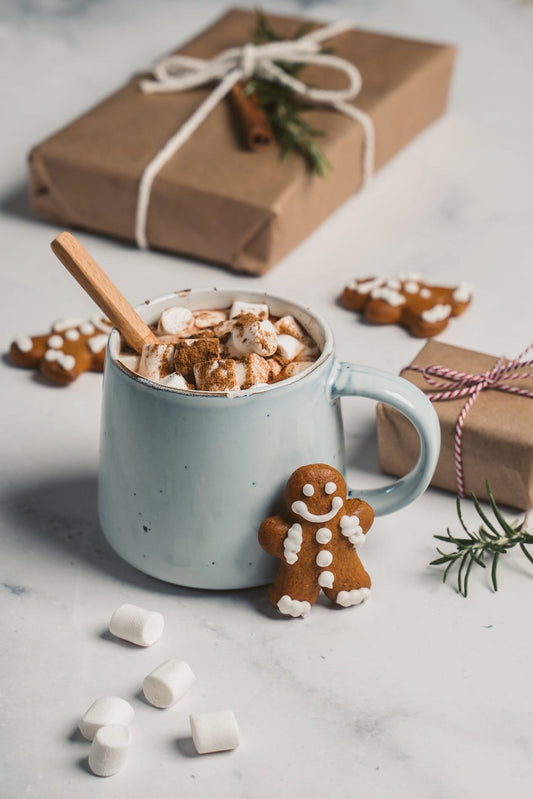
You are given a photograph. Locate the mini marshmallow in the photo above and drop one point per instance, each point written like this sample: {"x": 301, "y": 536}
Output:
{"x": 294, "y": 368}
{"x": 310, "y": 351}
{"x": 168, "y": 683}
{"x": 289, "y": 347}
{"x": 224, "y": 328}
{"x": 216, "y": 375}
{"x": 109, "y": 750}
{"x": 157, "y": 360}
{"x": 274, "y": 369}
{"x": 137, "y": 625}
{"x": 175, "y": 320}
{"x": 251, "y": 370}
{"x": 214, "y": 732}
{"x": 251, "y": 334}
{"x": 176, "y": 381}
{"x": 288, "y": 325}
{"x": 209, "y": 318}
{"x": 106, "y": 710}
{"x": 258, "y": 309}
{"x": 130, "y": 361}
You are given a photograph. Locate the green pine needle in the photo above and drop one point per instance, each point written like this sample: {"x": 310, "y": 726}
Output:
{"x": 488, "y": 543}
{"x": 283, "y": 108}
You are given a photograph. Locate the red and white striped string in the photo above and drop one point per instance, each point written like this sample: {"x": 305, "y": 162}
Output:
{"x": 464, "y": 384}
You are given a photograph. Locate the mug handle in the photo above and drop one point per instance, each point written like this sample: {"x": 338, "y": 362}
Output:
{"x": 364, "y": 381}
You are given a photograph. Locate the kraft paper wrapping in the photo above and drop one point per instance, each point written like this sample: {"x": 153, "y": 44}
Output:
{"x": 497, "y": 436}
{"x": 215, "y": 200}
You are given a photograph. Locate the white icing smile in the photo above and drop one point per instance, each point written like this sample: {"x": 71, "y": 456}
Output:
{"x": 302, "y": 510}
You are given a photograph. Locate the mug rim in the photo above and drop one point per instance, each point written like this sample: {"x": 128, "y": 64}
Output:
{"x": 246, "y": 295}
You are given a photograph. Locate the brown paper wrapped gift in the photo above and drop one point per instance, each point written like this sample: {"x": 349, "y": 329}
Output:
{"x": 497, "y": 439}
{"x": 216, "y": 200}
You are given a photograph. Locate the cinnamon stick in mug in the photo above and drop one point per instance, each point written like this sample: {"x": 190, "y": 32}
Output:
{"x": 253, "y": 122}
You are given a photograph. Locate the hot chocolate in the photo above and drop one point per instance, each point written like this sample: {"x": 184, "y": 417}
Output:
{"x": 224, "y": 349}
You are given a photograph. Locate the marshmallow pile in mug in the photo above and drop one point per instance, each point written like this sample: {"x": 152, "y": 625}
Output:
{"x": 229, "y": 349}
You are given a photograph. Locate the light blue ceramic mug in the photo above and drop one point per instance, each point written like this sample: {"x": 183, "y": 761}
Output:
{"x": 187, "y": 477}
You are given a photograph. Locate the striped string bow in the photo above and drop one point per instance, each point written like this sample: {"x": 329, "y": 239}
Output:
{"x": 463, "y": 384}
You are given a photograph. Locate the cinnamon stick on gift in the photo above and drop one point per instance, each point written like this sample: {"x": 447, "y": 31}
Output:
{"x": 252, "y": 119}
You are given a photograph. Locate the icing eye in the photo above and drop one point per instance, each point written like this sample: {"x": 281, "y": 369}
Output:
{"x": 330, "y": 488}
{"x": 308, "y": 490}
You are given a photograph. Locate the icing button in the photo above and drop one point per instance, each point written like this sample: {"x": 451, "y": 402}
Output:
{"x": 324, "y": 558}
{"x": 323, "y": 535}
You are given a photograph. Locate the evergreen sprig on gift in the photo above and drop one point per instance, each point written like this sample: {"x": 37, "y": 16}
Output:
{"x": 284, "y": 108}
{"x": 492, "y": 539}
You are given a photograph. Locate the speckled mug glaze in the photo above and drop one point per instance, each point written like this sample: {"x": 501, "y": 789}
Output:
{"x": 187, "y": 477}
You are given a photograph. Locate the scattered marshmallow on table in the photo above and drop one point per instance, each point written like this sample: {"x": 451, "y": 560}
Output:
{"x": 137, "y": 625}
{"x": 168, "y": 683}
{"x": 106, "y": 710}
{"x": 214, "y": 732}
{"x": 109, "y": 750}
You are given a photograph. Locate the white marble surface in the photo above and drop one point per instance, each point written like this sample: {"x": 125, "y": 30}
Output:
{"x": 419, "y": 692}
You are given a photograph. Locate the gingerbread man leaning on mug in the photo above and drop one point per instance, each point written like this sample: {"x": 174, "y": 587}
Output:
{"x": 317, "y": 546}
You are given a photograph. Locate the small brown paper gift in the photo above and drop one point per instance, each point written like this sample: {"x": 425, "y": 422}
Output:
{"x": 214, "y": 199}
{"x": 497, "y": 430}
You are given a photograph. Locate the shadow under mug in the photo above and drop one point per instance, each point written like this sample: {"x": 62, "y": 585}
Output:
{"x": 186, "y": 477}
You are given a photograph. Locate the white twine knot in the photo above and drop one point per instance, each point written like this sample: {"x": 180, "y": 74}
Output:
{"x": 177, "y": 73}
{"x": 248, "y": 60}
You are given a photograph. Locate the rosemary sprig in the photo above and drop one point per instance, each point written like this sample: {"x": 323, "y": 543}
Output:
{"x": 284, "y": 108}
{"x": 493, "y": 539}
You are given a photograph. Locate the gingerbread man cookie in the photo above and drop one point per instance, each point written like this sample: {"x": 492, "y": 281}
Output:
{"x": 317, "y": 544}
{"x": 406, "y": 300}
{"x": 70, "y": 348}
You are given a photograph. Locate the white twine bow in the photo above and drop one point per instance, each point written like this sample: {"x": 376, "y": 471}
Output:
{"x": 177, "y": 73}
{"x": 463, "y": 384}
